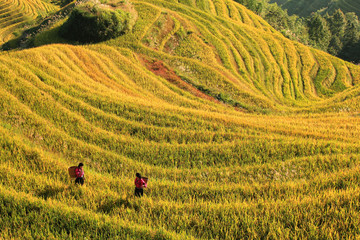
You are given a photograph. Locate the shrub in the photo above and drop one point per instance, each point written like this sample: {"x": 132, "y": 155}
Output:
{"x": 90, "y": 22}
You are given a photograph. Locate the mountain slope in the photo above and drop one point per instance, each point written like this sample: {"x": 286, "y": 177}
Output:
{"x": 233, "y": 124}
{"x": 278, "y": 68}
{"x": 15, "y": 14}
{"x": 303, "y": 8}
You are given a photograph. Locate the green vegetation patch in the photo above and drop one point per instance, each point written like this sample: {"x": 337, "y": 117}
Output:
{"x": 95, "y": 22}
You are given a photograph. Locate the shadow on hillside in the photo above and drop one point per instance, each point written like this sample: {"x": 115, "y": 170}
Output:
{"x": 110, "y": 205}
{"x": 49, "y": 192}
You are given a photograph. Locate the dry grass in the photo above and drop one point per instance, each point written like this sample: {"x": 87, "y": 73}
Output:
{"x": 248, "y": 131}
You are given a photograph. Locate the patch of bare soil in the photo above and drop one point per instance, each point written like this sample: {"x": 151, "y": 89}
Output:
{"x": 159, "y": 68}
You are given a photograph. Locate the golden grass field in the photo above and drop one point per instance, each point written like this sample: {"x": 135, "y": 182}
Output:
{"x": 243, "y": 133}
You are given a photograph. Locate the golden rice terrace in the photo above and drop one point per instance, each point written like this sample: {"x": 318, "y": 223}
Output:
{"x": 242, "y": 133}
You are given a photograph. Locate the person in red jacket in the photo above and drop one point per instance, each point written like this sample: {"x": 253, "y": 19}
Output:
{"x": 79, "y": 171}
{"x": 139, "y": 185}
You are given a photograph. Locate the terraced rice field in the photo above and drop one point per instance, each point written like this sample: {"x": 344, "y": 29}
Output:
{"x": 14, "y": 14}
{"x": 243, "y": 133}
{"x": 305, "y": 7}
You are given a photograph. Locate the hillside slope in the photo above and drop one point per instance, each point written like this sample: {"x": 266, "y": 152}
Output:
{"x": 241, "y": 56}
{"x": 304, "y": 8}
{"x": 234, "y": 125}
{"x": 15, "y": 14}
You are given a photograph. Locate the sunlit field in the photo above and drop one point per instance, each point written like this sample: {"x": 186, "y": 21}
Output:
{"x": 242, "y": 133}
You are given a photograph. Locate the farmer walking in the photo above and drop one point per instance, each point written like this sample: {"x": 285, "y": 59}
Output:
{"x": 139, "y": 185}
{"x": 79, "y": 171}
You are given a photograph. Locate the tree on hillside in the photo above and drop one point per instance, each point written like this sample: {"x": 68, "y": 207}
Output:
{"x": 344, "y": 30}
{"x": 337, "y": 23}
{"x": 91, "y": 22}
{"x": 351, "y": 49}
{"x": 257, "y": 6}
{"x": 352, "y": 29}
{"x": 319, "y": 32}
{"x": 335, "y": 45}
{"x": 277, "y": 17}
{"x": 351, "y": 52}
